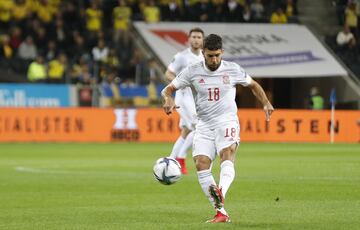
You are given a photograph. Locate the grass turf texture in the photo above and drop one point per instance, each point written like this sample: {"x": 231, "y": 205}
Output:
{"x": 111, "y": 186}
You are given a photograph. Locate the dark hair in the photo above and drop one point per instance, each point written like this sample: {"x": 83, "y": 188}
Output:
{"x": 196, "y": 29}
{"x": 213, "y": 42}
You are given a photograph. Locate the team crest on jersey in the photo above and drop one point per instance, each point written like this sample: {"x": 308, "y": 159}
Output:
{"x": 226, "y": 79}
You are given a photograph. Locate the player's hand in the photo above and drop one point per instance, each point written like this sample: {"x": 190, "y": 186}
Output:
{"x": 169, "y": 105}
{"x": 268, "y": 109}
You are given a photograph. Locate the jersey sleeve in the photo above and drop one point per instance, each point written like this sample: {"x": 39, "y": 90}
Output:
{"x": 182, "y": 80}
{"x": 177, "y": 64}
{"x": 242, "y": 78}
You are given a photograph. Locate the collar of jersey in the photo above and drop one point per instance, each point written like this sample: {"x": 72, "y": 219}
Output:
{"x": 209, "y": 71}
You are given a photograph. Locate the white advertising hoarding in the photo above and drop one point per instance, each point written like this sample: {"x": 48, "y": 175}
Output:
{"x": 263, "y": 50}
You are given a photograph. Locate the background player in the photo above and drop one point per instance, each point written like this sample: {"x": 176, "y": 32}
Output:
{"x": 184, "y": 98}
{"x": 217, "y": 132}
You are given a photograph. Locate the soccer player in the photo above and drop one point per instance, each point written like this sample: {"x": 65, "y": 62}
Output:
{"x": 184, "y": 98}
{"x": 213, "y": 82}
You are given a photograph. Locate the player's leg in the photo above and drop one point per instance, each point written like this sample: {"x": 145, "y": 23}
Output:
{"x": 180, "y": 141}
{"x": 188, "y": 116}
{"x": 177, "y": 146}
{"x": 178, "y": 149}
{"x": 205, "y": 177}
{"x": 181, "y": 157}
{"x": 227, "y": 174}
{"x": 227, "y": 170}
{"x": 203, "y": 155}
{"x": 227, "y": 141}
{"x": 186, "y": 145}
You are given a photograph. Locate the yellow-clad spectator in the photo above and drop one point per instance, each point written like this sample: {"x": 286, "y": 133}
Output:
{"x": 93, "y": 18}
{"x": 37, "y": 70}
{"x": 151, "y": 12}
{"x": 75, "y": 73}
{"x": 45, "y": 11}
{"x": 55, "y": 3}
{"x": 278, "y": 16}
{"x": 290, "y": 8}
{"x": 142, "y": 4}
{"x": 6, "y": 51}
{"x": 21, "y": 10}
{"x": 56, "y": 69}
{"x": 121, "y": 18}
{"x": 351, "y": 17}
{"x": 112, "y": 60}
{"x": 291, "y": 12}
{"x": 6, "y": 7}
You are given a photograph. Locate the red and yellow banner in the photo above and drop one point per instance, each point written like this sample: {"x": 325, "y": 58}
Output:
{"x": 153, "y": 125}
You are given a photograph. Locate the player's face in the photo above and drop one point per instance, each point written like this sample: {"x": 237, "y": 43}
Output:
{"x": 213, "y": 58}
{"x": 196, "y": 40}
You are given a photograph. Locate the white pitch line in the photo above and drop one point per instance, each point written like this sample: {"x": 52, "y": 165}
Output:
{"x": 45, "y": 171}
{"x": 295, "y": 178}
{"x": 64, "y": 172}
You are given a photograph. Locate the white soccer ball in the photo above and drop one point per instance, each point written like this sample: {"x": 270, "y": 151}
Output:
{"x": 167, "y": 170}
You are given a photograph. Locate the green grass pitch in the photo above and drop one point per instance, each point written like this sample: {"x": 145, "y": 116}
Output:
{"x": 111, "y": 186}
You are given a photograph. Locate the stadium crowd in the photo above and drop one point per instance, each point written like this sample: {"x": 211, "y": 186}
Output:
{"x": 83, "y": 41}
{"x": 346, "y": 43}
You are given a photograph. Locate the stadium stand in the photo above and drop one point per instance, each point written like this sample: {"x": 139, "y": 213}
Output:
{"x": 83, "y": 42}
{"x": 345, "y": 42}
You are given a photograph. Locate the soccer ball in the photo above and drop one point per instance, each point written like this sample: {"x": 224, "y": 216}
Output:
{"x": 167, "y": 170}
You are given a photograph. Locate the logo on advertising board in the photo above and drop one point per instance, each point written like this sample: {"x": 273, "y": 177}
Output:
{"x": 27, "y": 95}
{"x": 125, "y": 127}
{"x": 254, "y": 57}
{"x": 177, "y": 38}
{"x": 265, "y": 50}
{"x": 276, "y": 59}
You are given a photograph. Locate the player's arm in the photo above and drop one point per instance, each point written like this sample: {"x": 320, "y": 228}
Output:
{"x": 181, "y": 81}
{"x": 168, "y": 101}
{"x": 169, "y": 75}
{"x": 259, "y": 93}
{"x": 177, "y": 64}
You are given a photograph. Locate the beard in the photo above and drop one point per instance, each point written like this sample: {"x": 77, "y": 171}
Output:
{"x": 213, "y": 67}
